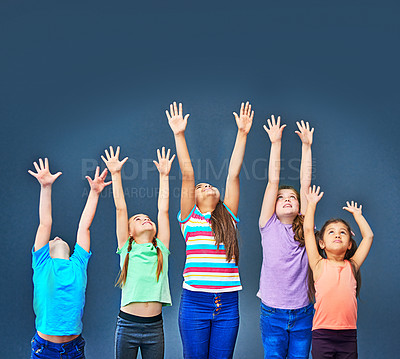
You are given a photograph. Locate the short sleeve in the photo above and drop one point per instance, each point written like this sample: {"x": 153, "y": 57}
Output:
{"x": 270, "y": 221}
{"x": 183, "y": 221}
{"x": 236, "y": 219}
{"x": 124, "y": 247}
{"x": 41, "y": 256}
{"x": 163, "y": 247}
{"x": 80, "y": 256}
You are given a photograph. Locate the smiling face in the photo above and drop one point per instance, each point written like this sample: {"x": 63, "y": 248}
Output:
{"x": 205, "y": 193}
{"x": 140, "y": 223}
{"x": 59, "y": 248}
{"x": 336, "y": 238}
{"x": 287, "y": 204}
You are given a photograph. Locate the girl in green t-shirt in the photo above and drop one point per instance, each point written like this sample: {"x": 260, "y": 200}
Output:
{"x": 144, "y": 265}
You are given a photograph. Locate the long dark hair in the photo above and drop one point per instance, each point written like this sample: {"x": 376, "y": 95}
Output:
{"x": 225, "y": 231}
{"x": 297, "y": 224}
{"x": 319, "y": 235}
{"x": 124, "y": 271}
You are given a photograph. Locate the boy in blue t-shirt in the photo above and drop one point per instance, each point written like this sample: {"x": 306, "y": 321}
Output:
{"x": 60, "y": 280}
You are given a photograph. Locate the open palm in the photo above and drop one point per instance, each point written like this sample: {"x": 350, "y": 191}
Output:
{"x": 43, "y": 174}
{"x": 245, "y": 120}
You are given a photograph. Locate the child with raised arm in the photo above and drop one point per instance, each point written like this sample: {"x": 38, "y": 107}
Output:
{"x": 335, "y": 263}
{"x": 286, "y": 311}
{"x": 60, "y": 280}
{"x": 144, "y": 266}
{"x": 209, "y": 310}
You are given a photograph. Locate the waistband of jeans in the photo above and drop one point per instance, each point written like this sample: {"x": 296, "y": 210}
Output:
{"x": 234, "y": 295}
{"x": 65, "y": 345}
{"x": 137, "y": 319}
{"x": 298, "y": 310}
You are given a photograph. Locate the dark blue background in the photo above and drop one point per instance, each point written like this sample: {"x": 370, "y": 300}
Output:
{"x": 77, "y": 76}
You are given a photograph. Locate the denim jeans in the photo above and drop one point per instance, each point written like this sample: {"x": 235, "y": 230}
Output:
{"x": 43, "y": 349}
{"x": 208, "y": 323}
{"x": 130, "y": 336}
{"x": 286, "y": 333}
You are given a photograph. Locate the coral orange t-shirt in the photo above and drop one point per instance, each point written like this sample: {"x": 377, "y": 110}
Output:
{"x": 335, "y": 298}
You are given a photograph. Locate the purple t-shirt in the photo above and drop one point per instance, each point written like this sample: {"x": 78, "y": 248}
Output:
{"x": 283, "y": 280}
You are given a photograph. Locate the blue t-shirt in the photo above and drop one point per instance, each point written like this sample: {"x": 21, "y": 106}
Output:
{"x": 59, "y": 291}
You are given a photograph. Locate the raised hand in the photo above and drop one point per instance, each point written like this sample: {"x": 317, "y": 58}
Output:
{"x": 43, "y": 174}
{"x": 314, "y": 195}
{"x": 305, "y": 134}
{"x": 175, "y": 119}
{"x": 164, "y": 162}
{"x": 245, "y": 120}
{"x": 112, "y": 162}
{"x": 353, "y": 208}
{"x": 97, "y": 184}
{"x": 274, "y": 129}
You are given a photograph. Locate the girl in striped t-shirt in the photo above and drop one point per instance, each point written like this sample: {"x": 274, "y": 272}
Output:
{"x": 209, "y": 311}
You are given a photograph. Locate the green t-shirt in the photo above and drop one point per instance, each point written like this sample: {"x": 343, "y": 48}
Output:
{"x": 141, "y": 282}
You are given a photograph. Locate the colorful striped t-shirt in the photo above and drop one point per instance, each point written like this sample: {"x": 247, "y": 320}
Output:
{"x": 206, "y": 268}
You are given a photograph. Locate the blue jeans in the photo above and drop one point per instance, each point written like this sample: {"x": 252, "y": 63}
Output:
{"x": 208, "y": 323}
{"x": 286, "y": 333}
{"x": 43, "y": 349}
{"x": 130, "y": 336}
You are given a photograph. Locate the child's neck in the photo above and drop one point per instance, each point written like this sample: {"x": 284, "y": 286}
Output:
{"x": 145, "y": 237}
{"x": 206, "y": 207}
{"x": 337, "y": 259}
{"x": 287, "y": 219}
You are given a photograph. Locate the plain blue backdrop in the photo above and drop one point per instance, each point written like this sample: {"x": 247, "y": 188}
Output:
{"x": 78, "y": 76}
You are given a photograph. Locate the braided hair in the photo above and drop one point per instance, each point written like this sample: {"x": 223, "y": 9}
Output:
{"x": 123, "y": 273}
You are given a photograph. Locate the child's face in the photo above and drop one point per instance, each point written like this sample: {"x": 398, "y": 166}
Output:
{"x": 336, "y": 238}
{"x": 206, "y": 192}
{"x": 140, "y": 223}
{"x": 287, "y": 204}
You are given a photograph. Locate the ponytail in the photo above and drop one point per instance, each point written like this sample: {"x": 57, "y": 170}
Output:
{"x": 122, "y": 276}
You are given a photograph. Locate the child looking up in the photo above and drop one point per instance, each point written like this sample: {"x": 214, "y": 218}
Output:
{"x": 209, "y": 310}
{"x": 60, "y": 280}
{"x": 286, "y": 311}
{"x": 335, "y": 263}
{"x": 144, "y": 266}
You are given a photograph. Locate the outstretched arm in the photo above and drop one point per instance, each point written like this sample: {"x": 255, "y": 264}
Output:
{"x": 96, "y": 186}
{"x": 164, "y": 167}
{"x": 114, "y": 165}
{"x": 366, "y": 233}
{"x": 232, "y": 187}
{"x": 178, "y": 125}
{"x": 306, "y": 136}
{"x": 314, "y": 258}
{"x": 274, "y": 131}
{"x": 46, "y": 180}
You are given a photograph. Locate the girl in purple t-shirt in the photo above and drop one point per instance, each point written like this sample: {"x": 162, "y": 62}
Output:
{"x": 286, "y": 312}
